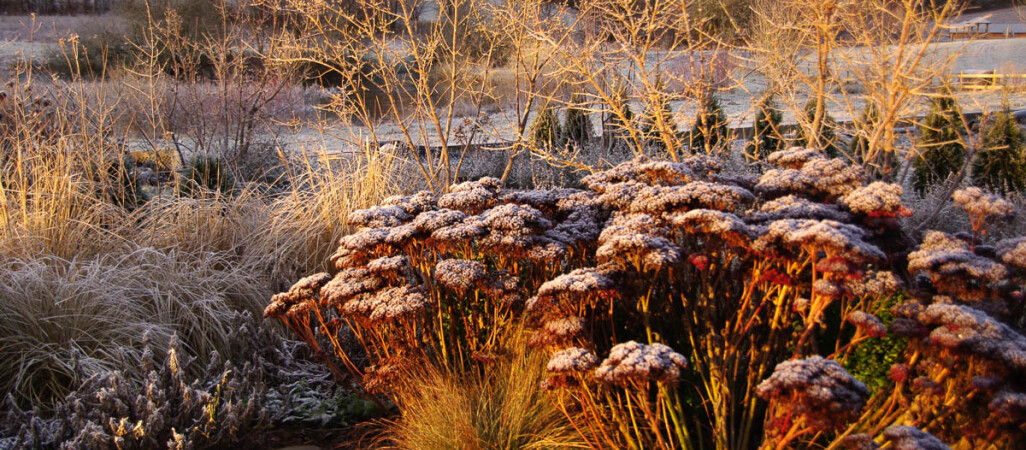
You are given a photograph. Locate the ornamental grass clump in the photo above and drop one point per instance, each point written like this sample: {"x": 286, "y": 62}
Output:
{"x": 687, "y": 307}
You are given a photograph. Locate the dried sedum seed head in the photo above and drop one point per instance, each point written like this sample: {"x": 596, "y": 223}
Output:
{"x": 867, "y": 323}
{"x": 379, "y": 217}
{"x": 951, "y": 265}
{"x": 818, "y": 389}
{"x": 979, "y": 203}
{"x": 834, "y": 238}
{"x": 791, "y": 207}
{"x": 390, "y": 267}
{"x": 472, "y": 197}
{"x": 429, "y": 221}
{"x": 349, "y": 284}
{"x": 1013, "y": 252}
{"x": 961, "y": 328}
{"x": 880, "y": 284}
{"x": 632, "y": 362}
{"x": 901, "y": 437}
{"x": 459, "y": 274}
{"x": 572, "y": 360}
{"x": 876, "y": 198}
{"x": 794, "y": 157}
{"x": 304, "y": 290}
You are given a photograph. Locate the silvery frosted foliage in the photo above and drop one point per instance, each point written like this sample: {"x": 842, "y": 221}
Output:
{"x": 572, "y": 360}
{"x": 818, "y": 389}
{"x": 901, "y": 437}
{"x": 459, "y": 274}
{"x": 1013, "y": 252}
{"x": 835, "y": 238}
{"x": 160, "y": 409}
{"x": 633, "y": 362}
{"x": 792, "y": 207}
{"x": 876, "y": 198}
{"x": 472, "y": 197}
{"x": 306, "y": 289}
{"x": 965, "y": 329}
{"x": 794, "y": 157}
{"x": 977, "y": 202}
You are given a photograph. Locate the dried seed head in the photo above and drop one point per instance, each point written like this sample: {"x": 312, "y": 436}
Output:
{"x": 818, "y": 389}
{"x": 976, "y": 202}
{"x": 459, "y": 274}
{"x": 867, "y": 323}
{"x": 794, "y": 157}
{"x": 472, "y": 197}
{"x": 572, "y": 360}
{"x": 901, "y": 437}
{"x": 791, "y": 207}
{"x": 429, "y": 221}
{"x": 379, "y": 217}
{"x": 634, "y": 362}
{"x": 878, "y": 198}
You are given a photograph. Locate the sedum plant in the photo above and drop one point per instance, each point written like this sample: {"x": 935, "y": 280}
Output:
{"x": 687, "y": 307}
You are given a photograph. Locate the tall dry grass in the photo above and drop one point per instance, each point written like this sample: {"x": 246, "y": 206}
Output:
{"x": 90, "y": 264}
{"x": 497, "y": 407}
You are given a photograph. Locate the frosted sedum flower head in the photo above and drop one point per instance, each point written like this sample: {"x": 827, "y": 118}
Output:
{"x": 794, "y": 157}
{"x": 515, "y": 219}
{"x": 459, "y": 274}
{"x": 835, "y": 238}
{"x": 303, "y": 290}
{"x": 1013, "y": 252}
{"x": 632, "y": 362}
{"x": 819, "y": 389}
{"x": 379, "y": 217}
{"x": 965, "y": 329}
{"x": 876, "y": 198}
{"x": 572, "y": 360}
{"x": 429, "y": 221}
{"x": 976, "y": 202}
{"x": 792, "y": 207}
{"x": 472, "y": 196}
{"x": 868, "y": 323}
{"x": 901, "y": 437}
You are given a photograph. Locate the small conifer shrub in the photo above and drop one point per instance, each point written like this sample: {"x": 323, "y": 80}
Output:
{"x": 710, "y": 128}
{"x": 767, "y": 137}
{"x": 1000, "y": 164}
{"x": 941, "y": 148}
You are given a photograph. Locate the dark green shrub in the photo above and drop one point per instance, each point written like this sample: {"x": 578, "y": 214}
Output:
{"x": 710, "y": 128}
{"x": 205, "y": 173}
{"x": 658, "y": 125}
{"x": 767, "y": 138}
{"x": 941, "y": 148}
{"x": 1000, "y": 165}
{"x": 828, "y": 139}
{"x": 545, "y": 131}
{"x": 577, "y": 131}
